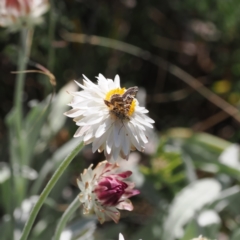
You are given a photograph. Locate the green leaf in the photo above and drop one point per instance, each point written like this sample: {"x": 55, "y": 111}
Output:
{"x": 5, "y": 185}
{"x": 4, "y": 172}
{"x": 230, "y": 156}
{"x": 166, "y": 168}
{"x": 33, "y": 124}
{"x": 209, "y": 222}
{"x": 56, "y": 118}
{"x": 202, "y": 138}
{"x": 6, "y": 227}
{"x": 191, "y": 199}
{"x": 228, "y": 200}
{"x": 51, "y": 164}
{"x": 236, "y": 235}
{"x": 151, "y": 230}
{"x": 191, "y": 230}
{"x": 81, "y": 229}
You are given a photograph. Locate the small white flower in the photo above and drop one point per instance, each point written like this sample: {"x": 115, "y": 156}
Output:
{"x": 109, "y": 117}
{"x": 17, "y": 14}
{"x": 200, "y": 238}
{"x": 121, "y": 237}
{"x": 104, "y": 191}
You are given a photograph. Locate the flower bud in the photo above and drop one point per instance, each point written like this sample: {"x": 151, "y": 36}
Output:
{"x": 17, "y": 14}
{"x": 104, "y": 191}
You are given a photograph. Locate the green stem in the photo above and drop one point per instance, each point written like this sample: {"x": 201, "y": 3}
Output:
{"x": 47, "y": 190}
{"x": 25, "y": 40}
{"x": 65, "y": 217}
{"x": 51, "y": 32}
{"x": 24, "y": 51}
{"x": 26, "y": 35}
{"x": 12, "y": 202}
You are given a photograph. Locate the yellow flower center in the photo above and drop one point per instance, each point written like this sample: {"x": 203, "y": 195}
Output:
{"x": 121, "y": 108}
{"x": 119, "y": 91}
{"x": 132, "y": 107}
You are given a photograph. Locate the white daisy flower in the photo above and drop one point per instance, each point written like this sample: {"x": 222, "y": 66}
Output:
{"x": 103, "y": 191}
{"x": 109, "y": 117}
{"x": 17, "y": 14}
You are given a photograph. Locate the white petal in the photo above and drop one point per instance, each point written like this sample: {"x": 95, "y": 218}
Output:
{"x": 74, "y": 113}
{"x": 115, "y": 153}
{"x": 135, "y": 131}
{"x": 102, "y": 79}
{"x": 90, "y": 120}
{"x": 141, "y": 109}
{"x": 86, "y": 78}
{"x": 141, "y": 121}
{"x": 126, "y": 144}
{"x": 111, "y": 84}
{"x": 103, "y": 128}
{"x": 109, "y": 143}
{"x": 143, "y": 136}
{"x": 133, "y": 136}
{"x": 125, "y": 205}
{"x": 88, "y": 141}
{"x": 98, "y": 142}
{"x": 77, "y": 133}
{"x": 88, "y": 136}
{"x": 118, "y": 134}
{"x": 117, "y": 81}
{"x": 80, "y": 85}
{"x": 80, "y": 185}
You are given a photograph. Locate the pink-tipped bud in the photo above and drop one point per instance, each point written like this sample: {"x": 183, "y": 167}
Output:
{"x": 17, "y": 14}
{"x": 104, "y": 191}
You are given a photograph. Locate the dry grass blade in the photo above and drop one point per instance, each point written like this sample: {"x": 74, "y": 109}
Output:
{"x": 42, "y": 70}
{"x": 52, "y": 81}
{"x": 210, "y": 122}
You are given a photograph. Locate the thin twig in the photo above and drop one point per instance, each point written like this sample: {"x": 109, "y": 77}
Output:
{"x": 51, "y": 33}
{"x": 52, "y": 78}
{"x": 205, "y": 92}
{"x": 186, "y": 47}
{"x": 52, "y": 81}
{"x": 170, "y": 97}
{"x": 211, "y": 121}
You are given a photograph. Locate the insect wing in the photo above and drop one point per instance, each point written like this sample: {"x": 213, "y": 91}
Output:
{"x": 117, "y": 99}
{"x": 130, "y": 93}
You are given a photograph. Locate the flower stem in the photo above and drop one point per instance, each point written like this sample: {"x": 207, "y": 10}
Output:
{"x": 24, "y": 51}
{"x": 65, "y": 217}
{"x": 25, "y": 42}
{"x": 51, "y": 33}
{"x": 47, "y": 190}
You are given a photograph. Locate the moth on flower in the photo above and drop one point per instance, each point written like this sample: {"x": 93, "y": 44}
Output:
{"x": 103, "y": 191}
{"x": 17, "y": 14}
{"x": 110, "y": 117}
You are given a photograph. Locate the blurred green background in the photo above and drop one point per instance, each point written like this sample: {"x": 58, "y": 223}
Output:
{"x": 189, "y": 175}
